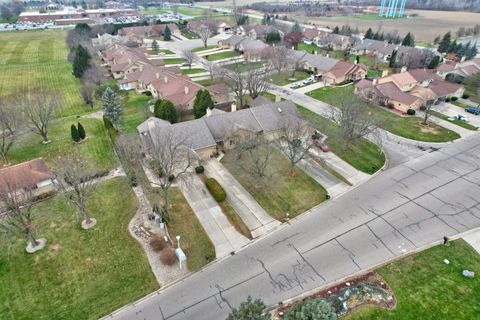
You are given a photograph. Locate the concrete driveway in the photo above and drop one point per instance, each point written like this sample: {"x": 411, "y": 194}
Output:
{"x": 451, "y": 110}
{"x": 258, "y": 221}
{"x": 223, "y": 235}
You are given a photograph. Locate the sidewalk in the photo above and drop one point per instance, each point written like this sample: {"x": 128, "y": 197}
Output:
{"x": 223, "y": 235}
{"x": 310, "y": 87}
{"x": 473, "y": 239}
{"x": 253, "y": 215}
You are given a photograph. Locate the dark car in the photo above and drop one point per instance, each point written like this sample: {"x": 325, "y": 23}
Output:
{"x": 475, "y": 111}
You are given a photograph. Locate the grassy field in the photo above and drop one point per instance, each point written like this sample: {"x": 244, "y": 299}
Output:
{"x": 222, "y": 55}
{"x": 362, "y": 155}
{"x": 154, "y": 11}
{"x": 80, "y": 274}
{"x": 96, "y": 149}
{"x": 134, "y": 113}
{"x": 426, "y": 288}
{"x": 29, "y": 59}
{"x": 189, "y": 11}
{"x": 279, "y": 193}
{"x": 282, "y": 78}
{"x": 407, "y": 127}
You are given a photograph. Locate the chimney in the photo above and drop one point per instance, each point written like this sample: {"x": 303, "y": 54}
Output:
{"x": 186, "y": 90}
{"x": 157, "y": 75}
{"x": 375, "y": 81}
{"x": 233, "y": 108}
{"x": 404, "y": 69}
{"x": 165, "y": 79}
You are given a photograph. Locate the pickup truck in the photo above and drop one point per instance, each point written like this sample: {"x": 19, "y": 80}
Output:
{"x": 475, "y": 111}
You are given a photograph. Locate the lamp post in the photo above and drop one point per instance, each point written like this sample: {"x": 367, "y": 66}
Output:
{"x": 178, "y": 241}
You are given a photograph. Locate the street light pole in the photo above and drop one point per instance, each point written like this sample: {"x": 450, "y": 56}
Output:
{"x": 178, "y": 241}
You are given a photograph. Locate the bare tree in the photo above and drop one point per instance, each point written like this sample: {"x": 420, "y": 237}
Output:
{"x": 189, "y": 56}
{"x": 257, "y": 81}
{"x": 93, "y": 75}
{"x": 212, "y": 68}
{"x": 236, "y": 81}
{"x": 38, "y": 107}
{"x": 428, "y": 107}
{"x": 17, "y": 220}
{"x": 205, "y": 33}
{"x": 296, "y": 139}
{"x": 86, "y": 92}
{"x": 10, "y": 121}
{"x": 75, "y": 178}
{"x": 170, "y": 156}
{"x": 354, "y": 120}
{"x": 259, "y": 151}
{"x": 279, "y": 58}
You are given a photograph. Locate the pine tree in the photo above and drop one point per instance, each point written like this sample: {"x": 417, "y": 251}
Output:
{"x": 357, "y": 58}
{"x": 74, "y": 133}
{"x": 112, "y": 109}
{"x": 408, "y": 41}
{"x": 250, "y": 310}
{"x": 336, "y": 30}
{"x": 155, "y": 46}
{"x": 369, "y": 34}
{"x": 452, "y": 47}
{"x": 445, "y": 43}
{"x": 393, "y": 59}
{"x": 472, "y": 52}
{"x": 203, "y": 101}
{"x": 167, "y": 34}
{"x": 296, "y": 27}
{"x": 81, "y": 131}
{"x": 81, "y": 61}
{"x": 273, "y": 37}
{"x": 376, "y": 36}
{"x": 164, "y": 109}
{"x": 434, "y": 63}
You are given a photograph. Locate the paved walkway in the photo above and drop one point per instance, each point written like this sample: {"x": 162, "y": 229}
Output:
{"x": 258, "y": 221}
{"x": 473, "y": 239}
{"x": 451, "y": 126}
{"x": 310, "y": 87}
{"x": 223, "y": 235}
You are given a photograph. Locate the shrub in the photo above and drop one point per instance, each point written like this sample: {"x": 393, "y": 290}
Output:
{"x": 147, "y": 93}
{"x": 199, "y": 169}
{"x": 215, "y": 189}
{"x": 423, "y": 108}
{"x": 81, "y": 131}
{"x": 312, "y": 309}
{"x": 411, "y": 112}
{"x": 167, "y": 256}
{"x": 108, "y": 124}
{"x": 453, "y": 98}
{"x": 74, "y": 133}
{"x": 133, "y": 180}
{"x": 465, "y": 96}
{"x": 390, "y": 106}
{"x": 447, "y": 99}
{"x": 171, "y": 177}
{"x": 157, "y": 243}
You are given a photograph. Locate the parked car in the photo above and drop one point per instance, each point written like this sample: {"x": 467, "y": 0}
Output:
{"x": 461, "y": 117}
{"x": 475, "y": 111}
{"x": 321, "y": 145}
{"x": 295, "y": 85}
{"x": 308, "y": 81}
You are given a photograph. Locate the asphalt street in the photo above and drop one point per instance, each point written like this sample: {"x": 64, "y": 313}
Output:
{"x": 405, "y": 208}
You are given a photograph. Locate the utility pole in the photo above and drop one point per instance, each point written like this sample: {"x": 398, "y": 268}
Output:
{"x": 235, "y": 12}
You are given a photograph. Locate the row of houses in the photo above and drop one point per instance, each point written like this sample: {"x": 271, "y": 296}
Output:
{"x": 76, "y": 14}
{"x": 135, "y": 71}
{"x": 327, "y": 40}
{"x": 408, "y": 89}
{"x": 216, "y": 26}
{"x": 140, "y": 33}
{"x": 218, "y": 130}
{"x": 459, "y": 70}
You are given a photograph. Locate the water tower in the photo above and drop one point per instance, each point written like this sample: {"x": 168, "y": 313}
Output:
{"x": 392, "y": 9}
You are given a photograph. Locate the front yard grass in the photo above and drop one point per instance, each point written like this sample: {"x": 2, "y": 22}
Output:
{"x": 189, "y": 35}
{"x": 243, "y": 66}
{"x": 460, "y": 123}
{"x": 134, "y": 113}
{"x": 426, "y": 288}
{"x": 222, "y": 55}
{"x": 173, "y": 61}
{"x": 407, "y": 127}
{"x": 363, "y": 155}
{"x": 192, "y": 71}
{"x": 202, "y": 48}
{"x": 279, "y": 193}
{"x": 80, "y": 274}
{"x": 96, "y": 148}
{"x": 282, "y": 78}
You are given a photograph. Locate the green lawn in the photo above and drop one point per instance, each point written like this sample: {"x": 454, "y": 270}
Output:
{"x": 222, "y": 55}
{"x": 39, "y": 58}
{"x": 426, "y": 288}
{"x": 460, "y": 123}
{"x": 362, "y": 155}
{"x": 173, "y": 61}
{"x": 193, "y": 71}
{"x": 243, "y": 66}
{"x": 310, "y": 48}
{"x": 188, "y": 34}
{"x": 270, "y": 96}
{"x": 134, "y": 113}
{"x": 206, "y": 82}
{"x": 80, "y": 274}
{"x": 407, "y": 127}
{"x": 96, "y": 149}
{"x": 190, "y": 11}
{"x": 154, "y": 11}
{"x": 279, "y": 193}
{"x": 283, "y": 78}
{"x": 202, "y": 48}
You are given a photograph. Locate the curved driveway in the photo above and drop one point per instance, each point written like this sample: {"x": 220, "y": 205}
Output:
{"x": 407, "y": 207}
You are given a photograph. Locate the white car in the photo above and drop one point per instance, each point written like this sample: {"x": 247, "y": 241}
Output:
{"x": 308, "y": 81}
{"x": 461, "y": 117}
{"x": 295, "y": 85}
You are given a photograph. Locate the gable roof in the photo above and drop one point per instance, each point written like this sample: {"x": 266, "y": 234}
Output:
{"x": 320, "y": 62}
{"x": 391, "y": 91}
{"x": 24, "y": 175}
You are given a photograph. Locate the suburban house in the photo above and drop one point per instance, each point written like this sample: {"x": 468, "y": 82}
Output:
{"x": 408, "y": 89}
{"x": 310, "y": 35}
{"x": 256, "y": 31}
{"x": 143, "y": 76}
{"x": 231, "y": 43}
{"x": 31, "y": 176}
{"x": 107, "y": 40}
{"x": 123, "y": 60}
{"x": 217, "y": 130}
{"x": 252, "y": 50}
{"x": 140, "y": 33}
{"x": 460, "y": 70}
{"x": 333, "y": 41}
{"x": 218, "y": 25}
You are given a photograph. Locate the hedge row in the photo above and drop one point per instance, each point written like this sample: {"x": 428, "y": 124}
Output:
{"x": 215, "y": 189}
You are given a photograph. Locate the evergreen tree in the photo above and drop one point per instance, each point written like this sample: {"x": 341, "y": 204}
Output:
{"x": 408, "y": 41}
{"x": 445, "y": 43}
{"x": 393, "y": 59}
{"x": 250, "y": 310}
{"x": 336, "y": 30}
{"x": 312, "y": 309}
{"x": 452, "y": 48}
{"x": 471, "y": 52}
{"x": 167, "y": 34}
{"x": 74, "y": 133}
{"x": 81, "y": 131}
{"x": 203, "y": 101}
{"x": 164, "y": 109}
{"x": 81, "y": 61}
{"x": 434, "y": 63}
{"x": 296, "y": 27}
{"x": 376, "y": 36}
{"x": 273, "y": 37}
{"x": 357, "y": 58}
{"x": 155, "y": 46}
{"x": 369, "y": 34}
{"x": 112, "y": 109}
